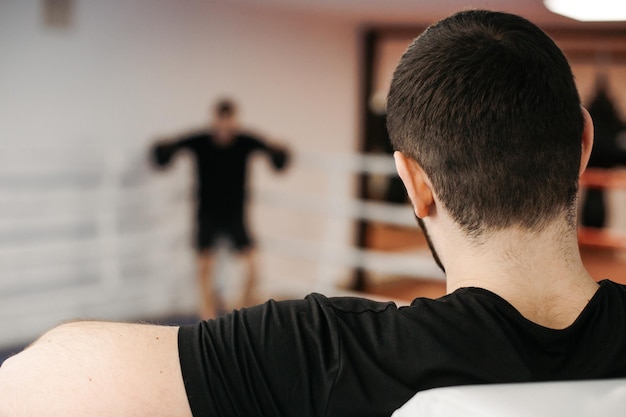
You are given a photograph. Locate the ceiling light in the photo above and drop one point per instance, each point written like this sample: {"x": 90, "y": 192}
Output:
{"x": 589, "y": 10}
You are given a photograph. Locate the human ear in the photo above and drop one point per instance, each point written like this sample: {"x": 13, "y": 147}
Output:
{"x": 416, "y": 183}
{"x": 587, "y": 140}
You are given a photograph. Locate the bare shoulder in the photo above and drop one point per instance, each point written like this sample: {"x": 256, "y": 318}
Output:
{"x": 95, "y": 369}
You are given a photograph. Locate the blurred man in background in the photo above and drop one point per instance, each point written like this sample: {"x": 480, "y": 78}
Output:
{"x": 221, "y": 156}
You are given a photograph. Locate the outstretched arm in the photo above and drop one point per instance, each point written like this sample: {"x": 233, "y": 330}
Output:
{"x": 162, "y": 152}
{"x": 89, "y": 369}
{"x": 277, "y": 154}
{"x": 280, "y": 157}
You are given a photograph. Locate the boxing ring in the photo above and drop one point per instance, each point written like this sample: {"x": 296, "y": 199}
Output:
{"x": 329, "y": 253}
{"x": 94, "y": 232}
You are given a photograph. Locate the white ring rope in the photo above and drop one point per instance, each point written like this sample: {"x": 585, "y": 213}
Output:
{"x": 398, "y": 215}
{"x": 347, "y": 163}
{"x": 90, "y": 232}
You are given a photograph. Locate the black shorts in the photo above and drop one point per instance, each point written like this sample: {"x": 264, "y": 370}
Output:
{"x": 211, "y": 228}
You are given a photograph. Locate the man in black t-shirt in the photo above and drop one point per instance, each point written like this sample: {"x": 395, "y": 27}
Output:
{"x": 490, "y": 140}
{"x": 221, "y": 157}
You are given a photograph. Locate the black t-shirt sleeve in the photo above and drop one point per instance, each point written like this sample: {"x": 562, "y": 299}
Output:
{"x": 279, "y": 156}
{"x": 162, "y": 153}
{"x": 350, "y": 357}
{"x": 276, "y": 359}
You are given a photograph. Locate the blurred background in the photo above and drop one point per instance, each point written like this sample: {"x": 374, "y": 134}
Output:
{"x": 88, "y": 229}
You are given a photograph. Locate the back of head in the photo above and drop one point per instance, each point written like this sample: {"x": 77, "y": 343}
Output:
{"x": 224, "y": 123}
{"x": 225, "y": 108}
{"x": 486, "y": 103}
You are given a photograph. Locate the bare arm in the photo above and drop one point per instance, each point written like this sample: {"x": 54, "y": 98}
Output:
{"x": 96, "y": 369}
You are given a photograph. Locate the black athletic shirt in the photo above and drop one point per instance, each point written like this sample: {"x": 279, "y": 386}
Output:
{"x": 354, "y": 357}
{"x": 221, "y": 169}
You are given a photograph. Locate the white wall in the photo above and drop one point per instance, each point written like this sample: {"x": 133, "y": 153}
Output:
{"x": 86, "y": 102}
{"x": 128, "y": 70}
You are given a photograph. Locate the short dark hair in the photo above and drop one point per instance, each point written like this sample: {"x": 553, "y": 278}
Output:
{"x": 225, "y": 108}
{"x": 486, "y": 103}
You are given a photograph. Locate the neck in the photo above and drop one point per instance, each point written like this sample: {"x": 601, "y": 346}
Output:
{"x": 223, "y": 137}
{"x": 539, "y": 272}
